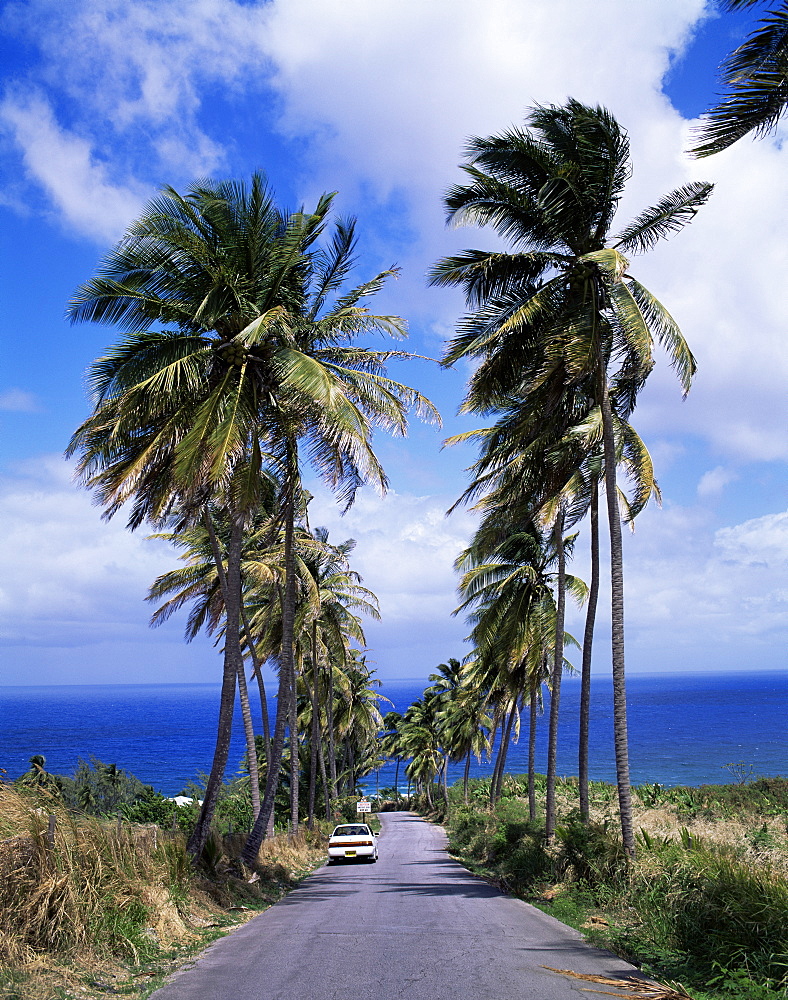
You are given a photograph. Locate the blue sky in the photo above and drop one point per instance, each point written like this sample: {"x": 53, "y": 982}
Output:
{"x": 103, "y": 101}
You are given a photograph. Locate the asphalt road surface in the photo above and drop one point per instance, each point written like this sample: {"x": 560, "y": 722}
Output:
{"x": 415, "y": 925}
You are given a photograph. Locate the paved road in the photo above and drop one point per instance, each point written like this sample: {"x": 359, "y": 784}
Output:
{"x": 416, "y": 926}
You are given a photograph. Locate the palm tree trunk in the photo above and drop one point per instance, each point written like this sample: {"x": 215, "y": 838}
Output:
{"x": 286, "y": 673}
{"x": 532, "y": 753}
{"x": 588, "y": 639}
{"x": 246, "y": 714}
{"x": 233, "y": 664}
{"x": 243, "y": 691}
{"x": 315, "y": 734}
{"x": 257, "y": 672}
{"x": 465, "y": 774}
{"x": 321, "y": 761}
{"x": 351, "y": 768}
{"x": 295, "y": 763}
{"x": 620, "y": 736}
{"x": 503, "y": 750}
{"x": 555, "y": 689}
{"x": 496, "y": 724}
{"x": 332, "y": 749}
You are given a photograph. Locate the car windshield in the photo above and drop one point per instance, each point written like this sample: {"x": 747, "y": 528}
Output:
{"x": 351, "y": 831}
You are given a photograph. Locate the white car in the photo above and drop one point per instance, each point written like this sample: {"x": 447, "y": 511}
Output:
{"x": 352, "y": 841}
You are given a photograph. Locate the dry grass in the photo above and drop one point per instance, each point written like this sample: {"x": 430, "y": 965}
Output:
{"x": 755, "y": 839}
{"x": 106, "y": 909}
{"x": 637, "y": 989}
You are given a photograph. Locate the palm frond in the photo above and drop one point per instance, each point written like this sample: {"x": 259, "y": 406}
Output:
{"x": 669, "y": 215}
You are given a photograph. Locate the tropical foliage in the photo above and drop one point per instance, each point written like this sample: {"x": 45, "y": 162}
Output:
{"x": 562, "y": 334}
{"x": 254, "y": 364}
{"x": 755, "y": 77}
{"x": 240, "y": 363}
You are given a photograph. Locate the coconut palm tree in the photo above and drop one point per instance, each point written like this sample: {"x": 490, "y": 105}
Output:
{"x": 251, "y": 363}
{"x": 359, "y": 720}
{"x": 202, "y": 582}
{"x": 560, "y": 324}
{"x": 755, "y": 76}
{"x": 390, "y": 744}
{"x": 515, "y": 581}
{"x": 420, "y": 740}
{"x": 466, "y": 725}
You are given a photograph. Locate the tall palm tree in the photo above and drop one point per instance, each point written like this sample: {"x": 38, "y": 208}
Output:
{"x": 390, "y": 744}
{"x": 465, "y": 725}
{"x": 249, "y": 363}
{"x": 202, "y": 582}
{"x": 755, "y": 76}
{"x": 515, "y": 582}
{"x": 560, "y": 325}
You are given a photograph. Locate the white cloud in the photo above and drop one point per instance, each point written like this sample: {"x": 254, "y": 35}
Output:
{"x": 718, "y": 279}
{"x": 67, "y": 167}
{"x": 760, "y": 542}
{"x": 18, "y": 401}
{"x": 65, "y": 575}
{"x": 135, "y": 74}
{"x": 693, "y": 586}
{"x": 406, "y": 547}
{"x": 714, "y": 481}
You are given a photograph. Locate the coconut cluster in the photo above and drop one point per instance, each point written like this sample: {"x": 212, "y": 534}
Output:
{"x": 232, "y": 353}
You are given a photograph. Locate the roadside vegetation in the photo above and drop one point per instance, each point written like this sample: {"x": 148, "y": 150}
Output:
{"x": 240, "y": 360}
{"x": 705, "y": 903}
{"x": 93, "y": 906}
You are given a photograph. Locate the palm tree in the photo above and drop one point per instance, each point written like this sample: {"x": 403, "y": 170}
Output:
{"x": 508, "y": 579}
{"x": 38, "y": 776}
{"x": 359, "y": 721}
{"x": 390, "y": 744}
{"x": 756, "y": 79}
{"x": 245, "y": 367}
{"x": 420, "y": 739}
{"x": 203, "y": 583}
{"x": 560, "y": 326}
{"x": 465, "y": 724}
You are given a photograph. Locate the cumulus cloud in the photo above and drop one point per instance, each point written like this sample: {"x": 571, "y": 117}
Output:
{"x": 18, "y": 401}
{"x": 406, "y": 547}
{"x": 405, "y": 551}
{"x": 714, "y": 481}
{"x": 145, "y": 63}
{"x": 65, "y": 575}
{"x": 760, "y": 542}
{"x": 67, "y": 167}
{"x": 696, "y": 592}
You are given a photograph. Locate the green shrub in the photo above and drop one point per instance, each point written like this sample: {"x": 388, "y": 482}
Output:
{"x": 589, "y": 853}
{"x": 718, "y": 910}
{"x": 527, "y": 865}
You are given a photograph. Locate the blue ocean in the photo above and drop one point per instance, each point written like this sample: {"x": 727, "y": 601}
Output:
{"x": 683, "y": 729}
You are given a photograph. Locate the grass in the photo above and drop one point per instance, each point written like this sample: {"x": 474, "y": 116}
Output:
{"x": 705, "y": 903}
{"x": 114, "y": 909}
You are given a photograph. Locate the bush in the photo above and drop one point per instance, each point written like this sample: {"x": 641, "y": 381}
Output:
{"x": 589, "y": 854}
{"x": 717, "y": 909}
{"x": 95, "y": 889}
